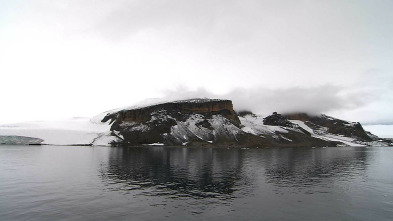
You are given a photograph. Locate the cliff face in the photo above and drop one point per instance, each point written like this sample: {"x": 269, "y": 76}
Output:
{"x": 206, "y": 107}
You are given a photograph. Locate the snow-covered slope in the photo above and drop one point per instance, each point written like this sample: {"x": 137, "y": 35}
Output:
{"x": 346, "y": 141}
{"x": 255, "y": 124}
{"x": 192, "y": 129}
{"x": 75, "y": 131}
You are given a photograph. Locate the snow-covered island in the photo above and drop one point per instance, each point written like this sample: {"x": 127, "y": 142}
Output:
{"x": 194, "y": 122}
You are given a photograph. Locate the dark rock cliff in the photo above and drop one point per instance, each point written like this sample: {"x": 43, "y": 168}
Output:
{"x": 178, "y": 109}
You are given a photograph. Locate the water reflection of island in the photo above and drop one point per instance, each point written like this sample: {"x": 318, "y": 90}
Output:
{"x": 184, "y": 172}
{"x": 301, "y": 168}
{"x": 219, "y": 173}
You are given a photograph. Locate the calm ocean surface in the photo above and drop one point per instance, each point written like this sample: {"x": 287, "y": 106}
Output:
{"x": 164, "y": 183}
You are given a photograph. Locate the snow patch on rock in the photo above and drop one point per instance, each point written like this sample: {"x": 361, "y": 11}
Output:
{"x": 324, "y": 135}
{"x": 254, "y": 124}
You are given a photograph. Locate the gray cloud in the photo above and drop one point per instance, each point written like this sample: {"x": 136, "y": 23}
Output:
{"x": 271, "y": 55}
{"x": 132, "y": 16}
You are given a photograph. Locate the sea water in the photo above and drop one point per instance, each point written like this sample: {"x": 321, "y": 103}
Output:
{"x": 174, "y": 183}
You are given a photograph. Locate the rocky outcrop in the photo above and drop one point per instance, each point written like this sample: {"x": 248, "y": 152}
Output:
{"x": 324, "y": 123}
{"x": 278, "y": 131}
{"x": 277, "y": 120}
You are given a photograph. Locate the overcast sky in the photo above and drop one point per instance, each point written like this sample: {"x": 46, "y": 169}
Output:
{"x": 69, "y": 58}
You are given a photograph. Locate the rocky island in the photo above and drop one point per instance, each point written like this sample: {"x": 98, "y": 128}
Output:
{"x": 213, "y": 122}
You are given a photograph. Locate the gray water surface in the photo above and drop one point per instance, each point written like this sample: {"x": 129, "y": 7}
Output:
{"x": 164, "y": 183}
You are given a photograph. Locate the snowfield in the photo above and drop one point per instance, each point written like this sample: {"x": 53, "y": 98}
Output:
{"x": 75, "y": 131}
